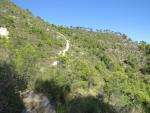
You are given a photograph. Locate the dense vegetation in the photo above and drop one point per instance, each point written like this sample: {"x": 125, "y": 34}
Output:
{"x": 103, "y": 71}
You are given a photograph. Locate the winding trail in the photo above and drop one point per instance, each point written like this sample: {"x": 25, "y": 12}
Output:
{"x": 62, "y": 52}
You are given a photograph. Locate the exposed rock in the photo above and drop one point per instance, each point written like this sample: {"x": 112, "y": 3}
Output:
{"x": 55, "y": 63}
{"x": 36, "y": 103}
{"x": 4, "y": 33}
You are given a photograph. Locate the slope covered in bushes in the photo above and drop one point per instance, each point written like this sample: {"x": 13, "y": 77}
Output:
{"x": 101, "y": 71}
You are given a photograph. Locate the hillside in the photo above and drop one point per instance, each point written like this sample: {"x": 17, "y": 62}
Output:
{"x": 46, "y": 68}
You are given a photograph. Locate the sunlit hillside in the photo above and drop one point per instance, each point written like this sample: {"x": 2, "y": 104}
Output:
{"x": 69, "y": 69}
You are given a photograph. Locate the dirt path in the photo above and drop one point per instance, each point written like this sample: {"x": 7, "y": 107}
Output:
{"x": 62, "y": 52}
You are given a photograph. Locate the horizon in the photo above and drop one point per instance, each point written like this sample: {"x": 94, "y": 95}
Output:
{"x": 128, "y": 17}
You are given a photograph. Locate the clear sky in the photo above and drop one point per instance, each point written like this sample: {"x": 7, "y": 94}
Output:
{"x": 131, "y": 17}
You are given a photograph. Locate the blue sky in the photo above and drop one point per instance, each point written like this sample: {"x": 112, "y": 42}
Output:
{"x": 131, "y": 17}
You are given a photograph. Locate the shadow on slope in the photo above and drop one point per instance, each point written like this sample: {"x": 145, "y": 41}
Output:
{"x": 52, "y": 90}
{"x": 10, "y": 101}
{"x": 89, "y": 104}
{"x": 65, "y": 104}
